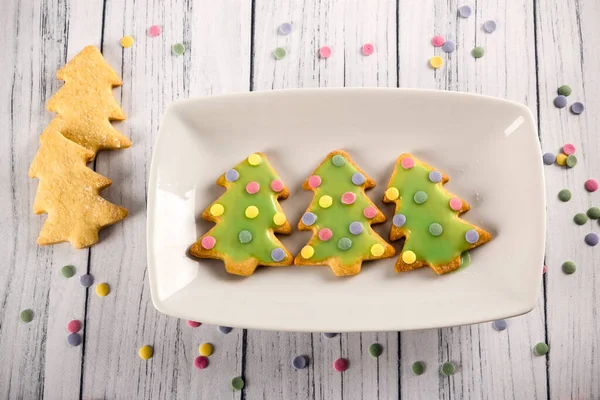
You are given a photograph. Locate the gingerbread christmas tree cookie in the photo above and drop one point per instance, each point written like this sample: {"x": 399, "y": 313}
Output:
{"x": 247, "y": 216}
{"x": 428, "y": 216}
{"x": 340, "y": 217}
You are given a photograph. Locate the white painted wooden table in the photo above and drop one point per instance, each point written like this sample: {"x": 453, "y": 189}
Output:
{"x": 538, "y": 46}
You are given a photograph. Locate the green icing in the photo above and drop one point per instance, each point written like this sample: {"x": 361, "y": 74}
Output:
{"x": 465, "y": 259}
{"x": 233, "y": 221}
{"x": 436, "y": 250}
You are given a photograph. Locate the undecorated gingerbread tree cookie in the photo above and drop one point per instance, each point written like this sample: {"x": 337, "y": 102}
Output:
{"x": 247, "y": 216}
{"x": 428, "y": 216}
{"x": 340, "y": 217}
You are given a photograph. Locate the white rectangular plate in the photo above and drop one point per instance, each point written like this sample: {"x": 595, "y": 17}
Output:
{"x": 489, "y": 148}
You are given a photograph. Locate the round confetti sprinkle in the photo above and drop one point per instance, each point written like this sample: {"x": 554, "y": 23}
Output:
{"x": 251, "y": 212}
{"x": 348, "y": 198}
{"x": 314, "y": 181}
{"x": 420, "y": 197}
{"x": 154, "y": 31}
{"x": 26, "y": 315}
{"x": 375, "y": 350}
{"x": 455, "y": 203}
{"x": 278, "y": 254}
{"x": 449, "y": 46}
{"x": 325, "y": 201}
{"x": 245, "y": 236}
{"x": 208, "y": 242}
{"x": 435, "y": 176}
{"x": 409, "y": 257}
{"x": 499, "y": 325}
{"x": 544, "y": 270}
{"x": 564, "y": 90}
{"x": 569, "y": 267}
{"x": 560, "y": 102}
{"x": 377, "y": 250}
{"x": 178, "y": 49}
{"x": 224, "y": 329}
{"x": 325, "y": 52}
{"x": 309, "y": 218}
{"x": 591, "y": 185}
{"x": 325, "y": 234}
{"x": 252, "y": 187}
{"x": 561, "y": 159}
{"x": 392, "y": 193}
{"x": 465, "y": 11}
{"x": 399, "y": 220}
{"x": 472, "y": 236}
{"x": 448, "y": 369}
{"x": 102, "y": 289}
{"x": 435, "y": 229}
{"x": 285, "y": 28}
{"x": 580, "y": 218}
{"x": 74, "y": 339}
{"x": 591, "y": 239}
{"x": 127, "y": 41}
{"x": 201, "y": 362}
{"x": 86, "y": 280}
{"x": 217, "y": 210}
{"x": 277, "y": 186}
{"x": 279, "y": 53}
{"x": 344, "y": 243}
{"x": 540, "y": 349}
{"x": 232, "y": 175}
{"x": 194, "y": 324}
{"x": 564, "y": 195}
{"x": 329, "y": 335}
{"x": 74, "y": 326}
{"x": 571, "y": 161}
{"x": 477, "y": 52}
{"x": 300, "y": 362}
{"x": 340, "y": 365}
{"x": 358, "y": 178}
{"x": 549, "y": 158}
{"x": 338, "y": 160}
{"x": 254, "y": 159}
{"x": 67, "y": 271}
{"x": 307, "y": 252}
{"x": 368, "y": 49}
{"x": 438, "y": 41}
{"x": 370, "y": 212}
{"x": 568, "y": 149}
{"x": 205, "y": 349}
{"x": 237, "y": 383}
{"x": 577, "y": 108}
{"x": 418, "y": 368}
{"x": 355, "y": 228}
{"x": 436, "y": 62}
{"x": 407, "y": 163}
{"x": 593, "y": 212}
{"x": 489, "y": 26}
{"x": 145, "y": 352}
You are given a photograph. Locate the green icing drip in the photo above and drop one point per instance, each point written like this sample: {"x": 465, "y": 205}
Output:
{"x": 436, "y": 250}
{"x": 465, "y": 259}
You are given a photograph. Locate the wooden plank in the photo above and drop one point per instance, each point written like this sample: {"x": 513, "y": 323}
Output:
{"x": 490, "y": 364}
{"x": 217, "y": 60}
{"x": 40, "y": 37}
{"x": 568, "y": 45}
{"x": 345, "y": 27}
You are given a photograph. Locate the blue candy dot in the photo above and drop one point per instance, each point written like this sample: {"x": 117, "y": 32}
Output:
{"x": 309, "y": 218}
{"x": 472, "y": 236}
{"x": 435, "y": 176}
{"x": 399, "y": 220}
{"x": 278, "y": 254}
{"x": 355, "y": 228}
{"x": 232, "y": 175}
{"x": 358, "y": 178}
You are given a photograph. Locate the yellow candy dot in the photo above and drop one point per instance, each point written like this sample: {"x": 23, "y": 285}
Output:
{"x": 146, "y": 352}
{"x": 561, "y": 159}
{"x": 392, "y": 193}
{"x": 409, "y": 257}
{"x": 325, "y": 201}
{"x": 307, "y": 252}
{"x": 206, "y": 349}
{"x": 436, "y": 62}
{"x": 217, "y": 210}
{"x": 127, "y": 41}
{"x": 102, "y": 289}
{"x": 279, "y": 219}
{"x": 377, "y": 250}
{"x": 252, "y": 212}
{"x": 254, "y": 159}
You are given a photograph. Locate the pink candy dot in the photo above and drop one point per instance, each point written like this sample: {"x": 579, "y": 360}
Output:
{"x": 325, "y": 234}
{"x": 591, "y": 185}
{"x": 208, "y": 242}
{"x": 568, "y": 149}
{"x": 544, "y": 270}
{"x": 154, "y": 31}
{"x": 325, "y": 51}
{"x": 348, "y": 198}
{"x": 252, "y": 187}
{"x": 370, "y": 212}
{"x": 194, "y": 324}
{"x": 455, "y": 203}
{"x": 340, "y": 365}
{"x": 407, "y": 163}
{"x": 314, "y": 181}
{"x": 74, "y": 326}
{"x": 438, "y": 41}
{"x": 201, "y": 362}
{"x": 277, "y": 185}
{"x": 368, "y": 49}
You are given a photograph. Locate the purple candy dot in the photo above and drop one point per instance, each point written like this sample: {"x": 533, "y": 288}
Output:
{"x": 356, "y": 228}
{"x": 300, "y": 362}
{"x": 309, "y": 218}
{"x": 399, "y": 220}
{"x": 86, "y": 280}
{"x": 560, "y": 101}
{"x": 278, "y": 254}
{"x": 591, "y": 239}
{"x": 435, "y": 176}
{"x": 224, "y": 329}
{"x": 329, "y": 335}
{"x": 232, "y": 175}
{"x": 449, "y": 46}
{"x": 358, "y": 178}
{"x": 499, "y": 325}
{"x": 74, "y": 339}
{"x": 577, "y": 108}
{"x": 472, "y": 236}
{"x": 549, "y": 158}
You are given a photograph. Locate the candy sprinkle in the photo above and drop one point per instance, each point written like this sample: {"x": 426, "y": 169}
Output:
{"x": 438, "y": 41}
{"x": 564, "y": 90}
{"x": 224, "y": 329}
{"x": 206, "y": 349}
{"x": 285, "y": 29}
{"x": 329, "y": 335}
{"x": 146, "y": 352}
{"x": 102, "y": 289}
{"x": 193, "y": 324}
{"x": 26, "y": 315}
{"x": 74, "y": 326}
{"x": 325, "y": 52}
{"x": 127, "y": 41}
{"x": 569, "y": 267}
{"x": 489, "y": 26}
{"x": 300, "y": 362}
{"x": 340, "y": 365}
{"x": 591, "y": 239}
{"x": 237, "y": 383}
{"x": 154, "y": 31}
{"x": 375, "y": 350}
{"x": 201, "y": 362}
{"x": 593, "y": 213}
{"x": 367, "y": 49}
{"x": 178, "y": 49}
{"x": 465, "y": 11}
{"x": 561, "y": 159}
{"x": 540, "y": 349}
{"x": 279, "y": 53}
{"x": 564, "y": 195}
{"x": 571, "y": 161}
{"x": 448, "y": 369}
{"x": 591, "y": 185}
{"x": 436, "y": 62}
{"x": 549, "y": 158}
{"x": 580, "y": 218}
{"x": 577, "y": 108}
{"x": 477, "y": 52}
{"x": 67, "y": 271}
{"x": 418, "y": 368}
{"x": 449, "y": 46}
{"x": 568, "y": 149}
{"x": 499, "y": 325}
{"x": 86, "y": 280}
{"x": 560, "y": 101}
{"x": 74, "y": 339}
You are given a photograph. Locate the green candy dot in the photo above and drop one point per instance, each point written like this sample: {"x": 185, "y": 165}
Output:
{"x": 420, "y": 197}
{"x": 465, "y": 259}
{"x": 540, "y": 349}
{"x": 564, "y": 90}
{"x": 67, "y": 271}
{"x": 418, "y": 368}
{"x": 344, "y": 243}
{"x": 448, "y": 369}
{"x": 477, "y": 52}
{"x": 237, "y": 383}
{"x": 564, "y": 195}
{"x": 593, "y": 212}
{"x": 580, "y": 218}
{"x": 245, "y": 236}
{"x": 571, "y": 161}
{"x": 178, "y": 48}
{"x": 338, "y": 160}
{"x": 27, "y": 315}
{"x": 279, "y": 53}
{"x": 435, "y": 229}
{"x": 375, "y": 350}
{"x": 569, "y": 267}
